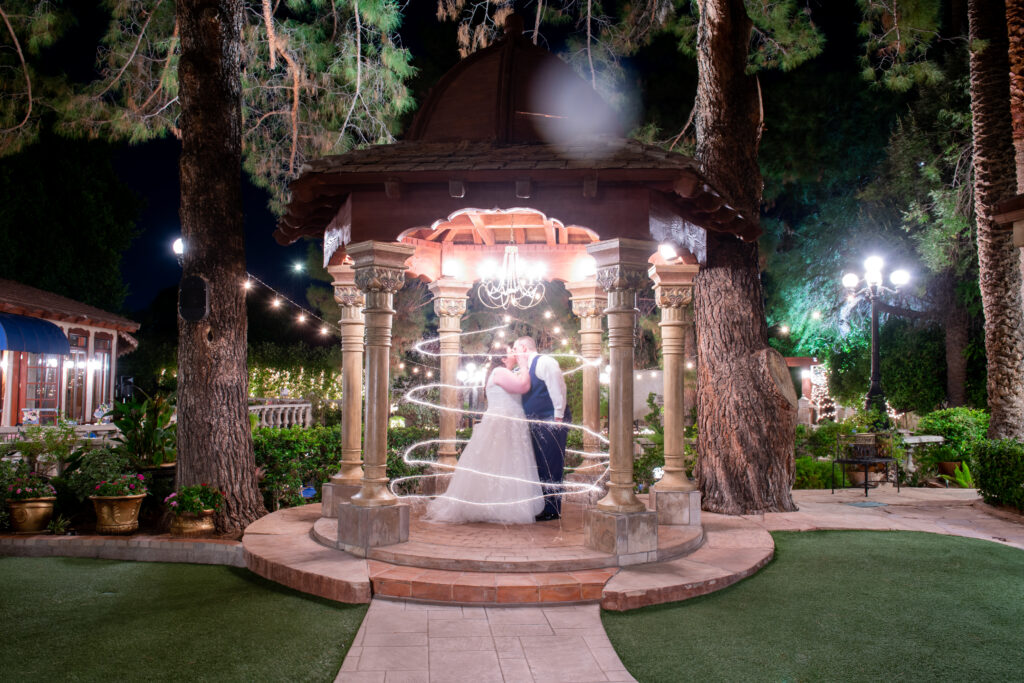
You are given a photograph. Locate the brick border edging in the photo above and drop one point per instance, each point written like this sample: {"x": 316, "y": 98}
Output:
{"x": 1007, "y": 514}
{"x": 137, "y": 549}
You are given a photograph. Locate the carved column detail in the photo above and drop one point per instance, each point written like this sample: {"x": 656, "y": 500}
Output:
{"x": 450, "y": 297}
{"x": 673, "y": 292}
{"x": 352, "y": 326}
{"x": 588, "y": 303}
{"x": 379, "y": 273}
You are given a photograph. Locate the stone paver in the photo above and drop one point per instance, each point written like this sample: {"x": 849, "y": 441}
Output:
{"x": 480, "y": 645}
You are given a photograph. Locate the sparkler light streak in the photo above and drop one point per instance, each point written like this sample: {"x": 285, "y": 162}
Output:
{"x": 567, "y": 488}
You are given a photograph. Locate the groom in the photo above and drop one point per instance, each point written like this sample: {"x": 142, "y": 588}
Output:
{"x": 545, "y": 401}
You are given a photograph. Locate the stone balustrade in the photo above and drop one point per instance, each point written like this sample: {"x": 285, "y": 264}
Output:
{"x": 283, "y": 414}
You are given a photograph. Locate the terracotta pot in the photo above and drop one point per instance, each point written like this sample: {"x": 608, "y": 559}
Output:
{"x": 117, "y": 515}
{"x": 192, "y": 524}
{"x": 31, "y": 515}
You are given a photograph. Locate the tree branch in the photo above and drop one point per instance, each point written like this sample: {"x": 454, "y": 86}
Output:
{"x": 24, "y": 68}
{"x": 359, "y": 69}
{"x": 135, "y": 50}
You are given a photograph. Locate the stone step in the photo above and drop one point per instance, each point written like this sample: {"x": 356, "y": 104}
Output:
{"x": 487, "y": 588}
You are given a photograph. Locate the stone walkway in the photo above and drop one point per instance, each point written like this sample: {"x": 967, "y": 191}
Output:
{"x": 409, "y": 641}
{"x": 416, "y": 642}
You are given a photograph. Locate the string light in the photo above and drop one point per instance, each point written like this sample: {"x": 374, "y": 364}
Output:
{"x": 247, "y": 285}
{"x": 275, "y": 303}
{"x": 323, "y": 330}
{"x": 280, "y": 299}
{"x": 302, "y": 317}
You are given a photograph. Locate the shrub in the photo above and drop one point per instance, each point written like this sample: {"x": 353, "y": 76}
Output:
{"x": 294, "y": 457}
{"x": 29, "y": 486}
{"x": 815, "y": 474}
{"x": 1000, "y": 472}
{"x": 123, "y": 485}
{"x": 195, "y": 499}
{"x": 145, "y": 433}
{"x": 93, "y": 467}
{"x": 960, "y": 427}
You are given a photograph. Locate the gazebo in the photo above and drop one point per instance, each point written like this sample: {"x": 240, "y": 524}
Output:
{"x": 511, "y": 147}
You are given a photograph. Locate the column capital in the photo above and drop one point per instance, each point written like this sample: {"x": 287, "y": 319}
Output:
{"x": 673, "y": 274}
{"x": 380, "y": 266}
{"x": 622, "y": 263}
{"x": 450, "y": 296}
{"x": 588, "y": 298}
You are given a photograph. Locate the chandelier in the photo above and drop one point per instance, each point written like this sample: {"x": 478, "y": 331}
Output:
{"x": 516, "y": 284}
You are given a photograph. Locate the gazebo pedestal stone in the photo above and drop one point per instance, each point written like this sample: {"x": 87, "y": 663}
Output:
{"x": 630, "y": 536}
{"x": 333, "y": 493}
{"x": 361, "y": 528}
{"x": 676, "y": 507}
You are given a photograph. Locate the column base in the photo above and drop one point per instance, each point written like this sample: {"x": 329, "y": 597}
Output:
{"x": 362, "y": 528}
{"x": 593, "y": 477}
{"x": 632, "y": 537}
{"x": 435, "y": 486}
{"x": 334, "y": 493}
{"x": 676, "y": 507}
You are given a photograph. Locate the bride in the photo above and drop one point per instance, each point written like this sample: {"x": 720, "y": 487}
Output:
{"x": 496, "y": 478}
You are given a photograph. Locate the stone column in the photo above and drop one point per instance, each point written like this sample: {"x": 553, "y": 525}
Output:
{"x": 690, "y": 366}
{"x": 373, "y": 518}
{"x": 588, "y": 303}
{"x": 348, "y": 480}
{"x": 621, "y": 524}
{"x": 675, "y": 498}
{"x": 450, "y": 298}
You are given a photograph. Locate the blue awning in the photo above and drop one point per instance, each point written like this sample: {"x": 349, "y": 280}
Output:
{"x": 21, "y": 333}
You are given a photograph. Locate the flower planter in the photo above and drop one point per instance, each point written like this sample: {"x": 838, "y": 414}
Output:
{"x": 117, "y": 515}
{"x": 193, "y": 524}
{"x": 31, "y": 515}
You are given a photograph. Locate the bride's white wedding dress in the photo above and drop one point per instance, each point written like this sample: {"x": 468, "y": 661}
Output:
{"x": 496, "y": 478}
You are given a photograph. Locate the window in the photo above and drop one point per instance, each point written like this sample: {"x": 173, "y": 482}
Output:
{"x": 100, "y": 366}
{"x": 41, "y": 374}
{"x": 76, "y": 376}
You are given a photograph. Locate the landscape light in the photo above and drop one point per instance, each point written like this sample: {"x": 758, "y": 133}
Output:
{"x": 652, "y": 374}
{"x": 783, "y": 329}
{"x": 899, "y": 277}
{"x": 873, "y": 278}
{"x": 874, "y": 263}
{"x": 850, "y": 280}
{"x": 816, "y": 315}
{"x": 639, "y": 376}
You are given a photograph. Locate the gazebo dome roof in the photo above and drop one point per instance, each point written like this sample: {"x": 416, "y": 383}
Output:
{"x": 513, "y": 92}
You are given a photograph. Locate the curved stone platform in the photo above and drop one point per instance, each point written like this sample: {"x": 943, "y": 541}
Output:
{"x": 555, "y": 546}
{"x": 281, "y": 547}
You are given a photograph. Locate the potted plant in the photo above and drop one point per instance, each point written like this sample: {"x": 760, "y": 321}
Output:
{"x": 193, "y": 508}
{"x": 117, "y": 502}
{"x": 30, "y": 500}
{"x": 146, "y": 435}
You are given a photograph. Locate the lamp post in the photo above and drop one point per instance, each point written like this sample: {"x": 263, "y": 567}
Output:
{"x": 873, "y": 288}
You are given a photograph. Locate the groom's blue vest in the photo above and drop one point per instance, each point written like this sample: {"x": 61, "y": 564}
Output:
{"x": 537, "y": 401}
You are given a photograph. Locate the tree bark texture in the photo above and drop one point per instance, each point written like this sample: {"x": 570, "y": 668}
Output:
{"x": 1015, "y": 33}
{"x": 746, "y": 404}
{"x": 956, "y": 325}
{"x": 214, "y": 439}
{"x": 998, "y": 259}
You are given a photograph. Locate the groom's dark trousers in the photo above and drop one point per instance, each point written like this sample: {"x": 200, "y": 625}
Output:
{"x": 548, "y": 440}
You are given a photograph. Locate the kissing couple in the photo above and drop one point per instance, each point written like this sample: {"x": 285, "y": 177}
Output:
{"x": 510, "y": 472}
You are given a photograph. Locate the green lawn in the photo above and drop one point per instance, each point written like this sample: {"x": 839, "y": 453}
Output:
{"x": 83, "y": 620}
{"x": 843, "y": 606}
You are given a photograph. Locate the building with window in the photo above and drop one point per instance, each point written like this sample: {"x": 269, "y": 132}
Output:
{"x": 58, "y": 356}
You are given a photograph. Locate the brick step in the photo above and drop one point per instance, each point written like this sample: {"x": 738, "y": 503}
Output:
{"x": 487, "y": 588}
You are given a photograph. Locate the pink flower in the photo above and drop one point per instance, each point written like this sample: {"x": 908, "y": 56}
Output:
{"x": 141, "y": 476}
{"x": 174, "y": 503}
{"x": 18, "y": 491}
{"x": 97, "y": 487}
{"x": 131, "y": 486}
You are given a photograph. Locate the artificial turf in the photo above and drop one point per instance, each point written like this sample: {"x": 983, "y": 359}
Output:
{"x": 843, "y": 606}
{"x": 100, "y": 620}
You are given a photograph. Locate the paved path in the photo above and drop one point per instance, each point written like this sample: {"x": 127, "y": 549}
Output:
{"x": 416, "y": 643}
{"x": 412, "y": 642}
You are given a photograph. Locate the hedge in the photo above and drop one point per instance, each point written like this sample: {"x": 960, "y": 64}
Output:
{"x": 1000, "y": 472}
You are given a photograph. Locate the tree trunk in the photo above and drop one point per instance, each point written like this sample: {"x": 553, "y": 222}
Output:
{"x": 746, "y": 403}
{"x": 214, "y": 441}
{"x": 1015, "y": 33}
{"x": 956, "y": 324}
{"x": 998, "y": 259}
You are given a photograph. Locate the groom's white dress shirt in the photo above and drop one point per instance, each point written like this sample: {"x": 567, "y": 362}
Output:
{"x": 549, "y": 371}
